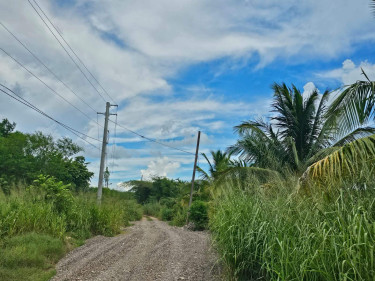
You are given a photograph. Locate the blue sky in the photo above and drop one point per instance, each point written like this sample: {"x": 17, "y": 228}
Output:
{"x": 176, "y": 67}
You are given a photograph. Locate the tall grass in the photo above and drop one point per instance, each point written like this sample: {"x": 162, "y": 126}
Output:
{"x": 279, "y": 235}
{"x": 22, "y": 214}
{"x": 35, "y": 231}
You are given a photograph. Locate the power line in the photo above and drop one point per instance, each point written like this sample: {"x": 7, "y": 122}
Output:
{"x": 45, "y": 114}
{"x": 152, "y": 140}
{"x": 45, "y": 84}
{"x": 45, "y": 66}
{"x": 71, "y": 49}
{"x": 30, "y": 105}
{"x": 66, "y": 51}
{"x": 62, "y": 37}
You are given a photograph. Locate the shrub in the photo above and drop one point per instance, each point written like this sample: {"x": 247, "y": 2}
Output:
{"x": 179, "y": 217}
{"x": 168, "y": 202}
{"x": 152, "y": 209}
{"x": 132, "y": 211}
{"x": 198, "y": 215}
{"x": 166, "y": 214}
{"x": 55, "y": 192}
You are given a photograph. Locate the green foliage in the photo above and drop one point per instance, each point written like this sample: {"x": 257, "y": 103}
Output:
{"x": 5, "y": 186}
{"x": 55, "y": 192}
{"x": 105, "y": 220}
{"x": 302, "y": 131}
{"x": 166, "y": 214}
{"x": 132, "y": 211}
{"x": 158, "y": 188}
{"x": 347, "y": 162}
{"x": 168, "y": 202}
{"x": 34, "y": 223}
{"x": 6, "y": 127}
{"x": 152, "y": 209}
{"x": 286, "y": 236}
{"x": 220, "y": 164}
{"x": 30, "y": 257}
{"x": 198, "y": 214}
{"x": 179, "y": 217}
{"x": 23, "y": 157}
{"x": 142, "y": 190}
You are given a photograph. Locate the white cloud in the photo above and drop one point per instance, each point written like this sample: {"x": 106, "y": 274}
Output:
{"x": 349, "y": 73}
{"x": 157, "y": 39}
{"x": 308, "y": 89}
{"x": 160, "y": 167}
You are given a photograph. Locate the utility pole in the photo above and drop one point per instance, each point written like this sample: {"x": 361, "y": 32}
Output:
{"x": 104, "y": 147}
{"x": 193, "y": 178}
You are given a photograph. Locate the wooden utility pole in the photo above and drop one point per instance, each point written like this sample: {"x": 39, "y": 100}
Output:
{"x": 195, "y": 167}
{"x": 104, "y": 147}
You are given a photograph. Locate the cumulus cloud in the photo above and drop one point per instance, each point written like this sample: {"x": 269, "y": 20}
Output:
{"x": 134, "y": 48}
{"x": 349, "y": 73}
{"x": 161, "y": 167}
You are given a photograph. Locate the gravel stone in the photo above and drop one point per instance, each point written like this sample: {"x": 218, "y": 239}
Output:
{"x": 148, "y": 250}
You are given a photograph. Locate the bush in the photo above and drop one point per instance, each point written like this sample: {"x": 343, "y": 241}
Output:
{"x": 152, "y": 209}
{"x": 198, "y": 215}
{"x": 168, "y": 202}
{"x": 53, "y": 191}
{"x": 179, "y": 217}
{"x": 132, "y": 211}
{"x": 166, "y": 214}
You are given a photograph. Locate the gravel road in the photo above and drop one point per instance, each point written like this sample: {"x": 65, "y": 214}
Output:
{"x": 148, "y": 250}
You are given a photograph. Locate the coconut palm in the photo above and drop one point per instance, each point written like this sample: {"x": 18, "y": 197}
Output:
{"x": 220, "y": 163}
{"x": 303, "y": 131}
{"x": 356, "y": 107}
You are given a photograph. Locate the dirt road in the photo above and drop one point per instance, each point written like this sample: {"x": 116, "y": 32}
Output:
{"x": 149, "y": 250}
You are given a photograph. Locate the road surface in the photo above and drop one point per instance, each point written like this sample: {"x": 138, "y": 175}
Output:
{"x": 148, "y": 250}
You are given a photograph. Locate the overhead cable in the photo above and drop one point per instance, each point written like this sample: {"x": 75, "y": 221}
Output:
{"x": 45, "y": 84}
{"x": 152, "y": 140}
{"x": 45, "y": 66}
{"x": 75, "y": 54}
{"x": 66, "y": 51}
{"x": 30, "y": 105}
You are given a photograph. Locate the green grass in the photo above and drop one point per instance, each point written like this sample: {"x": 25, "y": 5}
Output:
{"x": 284, "y": 236}
{"x": 152, "y": 209}
{"x": 34, "y": 234}
{"x": 30, "y": 257}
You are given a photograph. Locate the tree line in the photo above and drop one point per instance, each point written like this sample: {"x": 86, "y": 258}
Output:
{"x": 23, "y": 157}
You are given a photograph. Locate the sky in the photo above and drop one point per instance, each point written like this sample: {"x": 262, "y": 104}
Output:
{"x": 173, "y": 68}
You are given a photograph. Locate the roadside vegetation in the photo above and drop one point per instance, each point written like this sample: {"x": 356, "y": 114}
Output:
{"x": 46, "y": 205}
{"x": 168, "y": 200}
{"x": 293, "y": 199}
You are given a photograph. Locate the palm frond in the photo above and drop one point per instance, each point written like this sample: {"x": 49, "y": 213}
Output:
{"x": 203, "y": 174}
{"x": 355, "y": 105}
{"x": 344, "y": 162}
{"x": 356, "y": 134}
{"x": 243, "y": 173}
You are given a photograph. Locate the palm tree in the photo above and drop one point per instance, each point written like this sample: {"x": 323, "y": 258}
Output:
{"x": 303, "y": 131}
{"x": 220, "y": 163}
{"x": 356, "y": 106}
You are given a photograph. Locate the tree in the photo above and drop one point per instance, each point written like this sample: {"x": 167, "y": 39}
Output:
{"x": 6, "y": 127}
{"x": 157, "y": 189}
{"x": 23, "y": 157}
{"x": 356, "y": 106}
{"x": 303, "y": 130}
{"x": 220, "y": 163}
